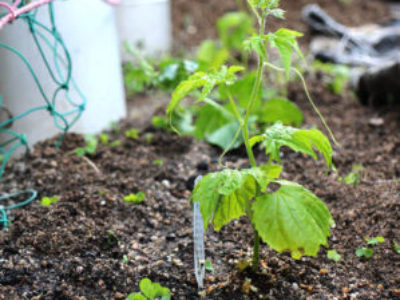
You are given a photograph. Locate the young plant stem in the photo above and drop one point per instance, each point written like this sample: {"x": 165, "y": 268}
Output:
{"x": 245, "y": 130}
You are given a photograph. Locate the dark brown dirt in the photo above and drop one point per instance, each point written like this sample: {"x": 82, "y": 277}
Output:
{"x": 75, "y": 248}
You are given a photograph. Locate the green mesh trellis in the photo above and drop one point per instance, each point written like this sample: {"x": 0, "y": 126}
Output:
{"x": 58, "y": 65}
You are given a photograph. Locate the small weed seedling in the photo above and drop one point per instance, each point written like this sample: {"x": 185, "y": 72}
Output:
{"x": 125, "y": 259}
{"x": 336, "y": 76}
{"x": 209, "y": 266}
{"x": 396, "y": 247}
{"x": 115, "y": 144}
{"x": 132, "y": 134}
{"x": 289, "y": 218}
{"x": 89, "y": 148}
{"x": 333, "y": 255}
{"x": 135, "y": 198}
{"x": 367, "y": 252}
{"x": 150, "y": 291}
{"x": 374, "y": 241}
{"x": 104, "y": 139}
{"x": 47, "y": 201}
{"x": 353, "y": 178}
{"x": 158, "y": 162}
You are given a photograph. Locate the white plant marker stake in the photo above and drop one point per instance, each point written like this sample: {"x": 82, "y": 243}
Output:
{"x": 198, "y": 241}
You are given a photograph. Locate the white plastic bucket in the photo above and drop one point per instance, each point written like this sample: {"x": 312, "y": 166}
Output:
{"x": 147, "y": 22}
{"x": 89, "y": 31}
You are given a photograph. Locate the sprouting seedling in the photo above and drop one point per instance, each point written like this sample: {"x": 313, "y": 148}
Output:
{"x": 374, "y": 241}
{"x": 288, "y": 218}
{"x": 125, "y": 259}
{"x": 158, "y": 162}
{"x": 150, "y": 290}
{"x": 89, "y": 148}
{"x": 149, "y": 137}
{"x": 132, "y": 134}
{"x": 47, "y": 201}
{"x": 135, "y": 198}
{"x": 333, "y": 255}
{"x": 396, "y": 247}
{"x": 115, "y": 143}
{"x": 367, "y": 252}
{"x": 209, "y": 266}
{"x": 104, "y": 139}
{"x": 354, "y": 176}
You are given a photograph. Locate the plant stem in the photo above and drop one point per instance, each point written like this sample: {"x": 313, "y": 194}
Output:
{"x": 256, "y": 251}
{"x": 245, "y": 130}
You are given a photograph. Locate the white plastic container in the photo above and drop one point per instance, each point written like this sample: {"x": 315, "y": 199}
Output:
{"x": 147, "y": 22}
{"x": 90, "y": 34}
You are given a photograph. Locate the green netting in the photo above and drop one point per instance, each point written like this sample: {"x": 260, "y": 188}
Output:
{"x": 58, "y": 64}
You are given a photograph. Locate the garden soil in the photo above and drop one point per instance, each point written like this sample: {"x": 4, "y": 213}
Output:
{"x": 93, "y": 245}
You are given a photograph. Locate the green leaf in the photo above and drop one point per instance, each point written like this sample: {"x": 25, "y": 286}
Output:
{"x": 299, "y": 140}
{"x": 80, "y": 151}
{"x": 292, "y": 219}
{"x": 223, "y": 195}
{"x": 264, "y": 4}
{"x": 277, "y": 13}
{"x": 115, "y": 143}
{"x": 47, "y": 201}
{"x": 396, "y": 247}
{"x": 211, "y": 56}
{"x": 257, "y": 44}
{"x": 283, "y": 110}
{"x": 333, "y": 255}
{"x": 158, "y": 162}
{"x": 223, "y": 136}
{"x": 135, "y": 198}
{"x": 234, "y": 28}
{"x": 242, "y": 90}
{"x": 285, "y": 41}
{"x": 132, "y": 134}
{"x": 218, "y": 126}
{"x": 104, "y": 138}
{"x": 375, "y": 240}
{"x": 208, "y": 266}
{"x": 365, "y": 252}
{"x": 205, "y": 80}
{"x": 153, "y": 290}
{"x": 146, "y": 287}
{"x": 194, "y": 82}
{"x": 136, "y": 296}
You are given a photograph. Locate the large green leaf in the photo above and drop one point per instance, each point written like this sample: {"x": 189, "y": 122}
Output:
{"x": 223, "y": 195}
{"x": 299, "y": 140}
{"x": 292, "y": 219}
{"x": 283, "y": 110}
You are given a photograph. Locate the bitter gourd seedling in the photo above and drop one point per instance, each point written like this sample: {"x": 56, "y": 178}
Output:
{"x": 290, "y": 218}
